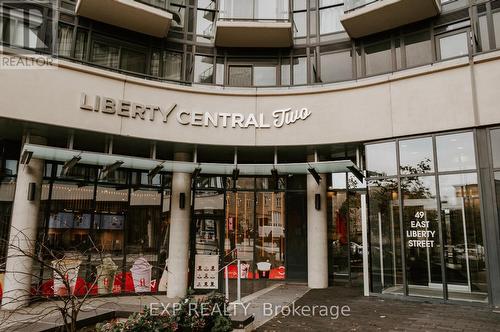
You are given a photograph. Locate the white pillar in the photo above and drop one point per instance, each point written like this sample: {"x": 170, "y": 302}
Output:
{"x": 180, "y": 219}
{"x": 23, "y": 235}
{"x": 317, "y": 235}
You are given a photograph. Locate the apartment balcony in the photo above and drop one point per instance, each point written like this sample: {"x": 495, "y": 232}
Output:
{"x": 366, "y": 17}
{"x": 150, "y": 17}
{"x": 253, "y": 23}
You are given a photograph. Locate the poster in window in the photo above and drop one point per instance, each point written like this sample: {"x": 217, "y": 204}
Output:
{"x": 206, "y": 274}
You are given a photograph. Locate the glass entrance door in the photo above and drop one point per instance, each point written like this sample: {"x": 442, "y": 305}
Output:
{"x": 270, "y": 241}
{"x": 241, "y": 220}
{"x": 240, "y": 227}
{"x": 345, "y": 256}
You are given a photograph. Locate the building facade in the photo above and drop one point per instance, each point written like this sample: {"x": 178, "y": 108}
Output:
{"x": 312, "y": 140}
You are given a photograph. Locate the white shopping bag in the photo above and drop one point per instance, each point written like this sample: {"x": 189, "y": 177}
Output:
{"x": 162, "y": 287}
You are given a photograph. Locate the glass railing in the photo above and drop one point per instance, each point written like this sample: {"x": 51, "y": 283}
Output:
{"x": 254, "y": 10}
{"x": 161, "y": 4}
{"x": 350, "y": 5}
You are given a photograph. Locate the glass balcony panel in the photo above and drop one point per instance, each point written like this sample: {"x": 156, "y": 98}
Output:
{"x": 253, "y": 23}
{"x": 255, "y": 10}
{"x": 355, "y": 4}
{"x": 162, "y": 4}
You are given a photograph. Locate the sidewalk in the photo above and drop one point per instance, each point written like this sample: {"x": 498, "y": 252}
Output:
{"x": 376, "y": 314}
{"x": 43, "y": 315}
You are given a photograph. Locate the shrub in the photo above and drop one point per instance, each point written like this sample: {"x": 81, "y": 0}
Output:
{"x": 212, "y": 318}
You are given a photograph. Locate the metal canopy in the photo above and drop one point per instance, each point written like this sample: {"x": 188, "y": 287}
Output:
{"x": 102, "y": 159}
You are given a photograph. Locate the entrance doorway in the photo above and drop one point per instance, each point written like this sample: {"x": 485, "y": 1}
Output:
{"x": 345, "y": 242}
{"x": 242, "y": 220}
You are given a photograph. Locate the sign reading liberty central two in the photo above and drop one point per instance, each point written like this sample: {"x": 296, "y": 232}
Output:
{"x": 128, "y": 109}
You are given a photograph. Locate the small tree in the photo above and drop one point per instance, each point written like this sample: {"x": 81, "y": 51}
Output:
{"x": 70, "y": 298}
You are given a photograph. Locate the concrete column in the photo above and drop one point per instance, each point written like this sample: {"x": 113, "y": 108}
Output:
{"x": 23, "y": 235}
{"x": 180, "y": 219}
{"x": 317, "y": 235}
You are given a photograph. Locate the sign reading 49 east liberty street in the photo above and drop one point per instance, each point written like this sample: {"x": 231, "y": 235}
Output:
{"x": 127, "y": 109}
{"x": 418, "y": 234}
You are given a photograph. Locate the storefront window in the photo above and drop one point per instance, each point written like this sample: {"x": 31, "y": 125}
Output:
{"x": 247, "y": 220}
{"x": 421, "y": 235}
{"x": 337, "y": 206}
{"x": 110, "y": 234}
{"x": 270, "y": 245}
{"x": 240, "y": 229}
{"x": 385, "y": 236}
{"x": 142, "y": 229}
{"x": 438, "y": 243}
{"x": 7, "y": 192}
{"x": 462, "y": 232}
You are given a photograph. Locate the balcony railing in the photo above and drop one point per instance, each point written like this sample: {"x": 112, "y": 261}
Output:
{"x": 160, "y": 4}
{"x": 253, "y": 23}
{"x": 254, "y": 10}
{"x": 350, "y": 5}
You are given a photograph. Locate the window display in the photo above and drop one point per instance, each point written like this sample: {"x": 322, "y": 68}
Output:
{"x": 245, "y": 218}
{"x": 106, "y": 236}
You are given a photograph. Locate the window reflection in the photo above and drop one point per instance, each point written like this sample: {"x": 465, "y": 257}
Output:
{"x": 203, "y": 69}
{"x": 377, "y": 166}
{"x": 299, "y": 70}
{"x": 270, "y": 246}
{"x": 385, "y": 236}
{"x": 464, "y": 248}
{"x": 418, "y": 49}
{"x": 240, "y": 229}
{"x": 456, "y": 152}
{"x": 329, "y": 17}
{"x": 495, "y": 147}
{"x": 454, "y": 45}
{"x": 336, "y": 66}
{"x": 421, "y": 230}
{"x": 111, "y": 234}
{"x": 378, "y": 58}
{"x": 416, "y": 156}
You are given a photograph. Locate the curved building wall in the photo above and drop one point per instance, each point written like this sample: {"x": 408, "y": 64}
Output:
{"x": 445, "y": 96}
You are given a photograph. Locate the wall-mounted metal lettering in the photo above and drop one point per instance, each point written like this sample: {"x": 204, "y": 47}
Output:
{"x": 133, "y": 110}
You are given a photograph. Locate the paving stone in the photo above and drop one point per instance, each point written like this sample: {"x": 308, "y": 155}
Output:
{"x": 375, "y": 314}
